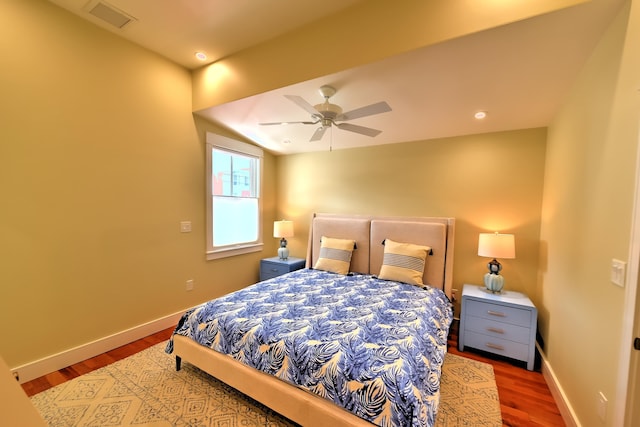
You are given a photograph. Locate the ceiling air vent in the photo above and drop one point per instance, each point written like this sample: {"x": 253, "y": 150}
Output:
{"x": 110, "y": 14}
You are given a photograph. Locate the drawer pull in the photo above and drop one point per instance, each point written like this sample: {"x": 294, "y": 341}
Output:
{"x": 274, "y": 270}
{"x": 495, "y": 346}
{"x": 496, "y": 313}
{"x": 496, "y": 330}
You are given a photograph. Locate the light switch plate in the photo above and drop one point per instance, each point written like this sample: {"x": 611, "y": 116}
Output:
{"x": 618, "y": 272}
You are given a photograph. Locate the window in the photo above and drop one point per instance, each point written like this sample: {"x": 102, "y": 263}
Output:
{"x": 234, "y": 206}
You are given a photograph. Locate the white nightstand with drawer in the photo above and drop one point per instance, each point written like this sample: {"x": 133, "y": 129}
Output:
{"x": 503, "y": 324}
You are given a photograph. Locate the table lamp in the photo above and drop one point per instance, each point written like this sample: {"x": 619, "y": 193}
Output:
{"x": 495, "y": 245}
{"x": 283, "y": 229}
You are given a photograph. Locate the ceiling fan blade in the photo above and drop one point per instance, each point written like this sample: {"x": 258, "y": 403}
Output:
{"x": 319, "y": 133}
{"x": 359, "y": 129}
{"x": 303, "y": 104}
{"x": 369, "y": 110}
{"x": 288, "y": 123}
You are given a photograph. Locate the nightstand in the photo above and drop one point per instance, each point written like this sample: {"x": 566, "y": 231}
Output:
{"x": 274, "y": 267}
{"x": 503, "y": 323}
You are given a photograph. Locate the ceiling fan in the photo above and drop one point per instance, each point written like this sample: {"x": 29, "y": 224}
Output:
{"x": 327, "y": 115}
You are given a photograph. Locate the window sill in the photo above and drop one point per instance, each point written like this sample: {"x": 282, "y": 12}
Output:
{"x": 233, "y": 251}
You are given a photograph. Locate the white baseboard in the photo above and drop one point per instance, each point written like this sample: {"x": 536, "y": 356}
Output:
{"x": 566, "y": 411}
{"x": 38, "y": 368}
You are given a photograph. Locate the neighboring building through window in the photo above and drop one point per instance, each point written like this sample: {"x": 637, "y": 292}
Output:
{"x": 234, "y": 204}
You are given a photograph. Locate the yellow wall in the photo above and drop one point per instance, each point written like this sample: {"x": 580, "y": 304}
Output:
{"x": 586, "y": 219}
{"x": 488, "y": 182}
{"x": 100, "y": 160}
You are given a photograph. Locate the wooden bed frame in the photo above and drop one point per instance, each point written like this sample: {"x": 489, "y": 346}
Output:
{"x": 299, "y": 405}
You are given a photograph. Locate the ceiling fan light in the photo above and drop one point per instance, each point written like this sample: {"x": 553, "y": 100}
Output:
{"x": 326, "y": 122}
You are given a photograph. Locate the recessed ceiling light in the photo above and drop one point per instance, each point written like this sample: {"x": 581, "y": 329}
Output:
{"x": 480, "y": 115}
{"x": 201, "y": 56}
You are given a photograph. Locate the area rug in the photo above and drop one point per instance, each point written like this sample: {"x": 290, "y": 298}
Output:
{"x": 145, "y": 390}
{"x": 468, "y": 394}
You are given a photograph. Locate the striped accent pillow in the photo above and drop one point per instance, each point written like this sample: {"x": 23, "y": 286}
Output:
{"x": 335, "y": 255}
{"x": 403, "y": 262}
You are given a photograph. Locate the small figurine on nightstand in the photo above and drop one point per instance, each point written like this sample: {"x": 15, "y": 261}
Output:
{"x": 495, "y": 245}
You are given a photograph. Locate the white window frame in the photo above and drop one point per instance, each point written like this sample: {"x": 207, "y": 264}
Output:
{"x": 217, "y": 141}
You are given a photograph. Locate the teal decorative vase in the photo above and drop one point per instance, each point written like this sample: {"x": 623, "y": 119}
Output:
{"x": 493, "y": 282}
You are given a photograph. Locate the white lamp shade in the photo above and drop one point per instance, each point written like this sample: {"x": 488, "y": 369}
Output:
{"x": 283, "y": 229}
{"x": 496, "y": 245}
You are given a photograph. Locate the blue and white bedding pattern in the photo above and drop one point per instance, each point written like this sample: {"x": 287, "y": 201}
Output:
{"x": 373, "y": 347}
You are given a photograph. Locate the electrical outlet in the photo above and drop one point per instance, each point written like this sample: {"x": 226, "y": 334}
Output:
{"x": 185, "y": 226}
{"x": 601, "y": 406}
{"x": 189, "y": 285}
{"x": 454, "y": 294}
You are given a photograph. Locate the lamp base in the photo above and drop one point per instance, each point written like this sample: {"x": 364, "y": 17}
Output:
{"x": 493, "y": 282}
{"x": 283, "y": 253}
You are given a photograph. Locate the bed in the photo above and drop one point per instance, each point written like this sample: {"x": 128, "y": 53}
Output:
{"x": 355, "y": 346}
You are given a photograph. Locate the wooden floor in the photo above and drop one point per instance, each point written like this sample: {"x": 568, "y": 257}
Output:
{"x": 525, "y": 399}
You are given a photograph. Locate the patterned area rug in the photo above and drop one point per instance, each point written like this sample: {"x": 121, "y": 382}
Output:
{"x": 145, "y": 390}
{"x": 468, "y": 394}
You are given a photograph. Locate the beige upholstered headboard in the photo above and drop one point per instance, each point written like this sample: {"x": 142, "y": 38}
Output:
{"x": 370, "y": 231}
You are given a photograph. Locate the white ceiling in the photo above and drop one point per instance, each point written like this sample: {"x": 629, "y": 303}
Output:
{"x": 518, "y": 73}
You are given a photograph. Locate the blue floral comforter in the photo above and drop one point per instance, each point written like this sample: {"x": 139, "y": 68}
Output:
{"x": 373, "y": 347}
